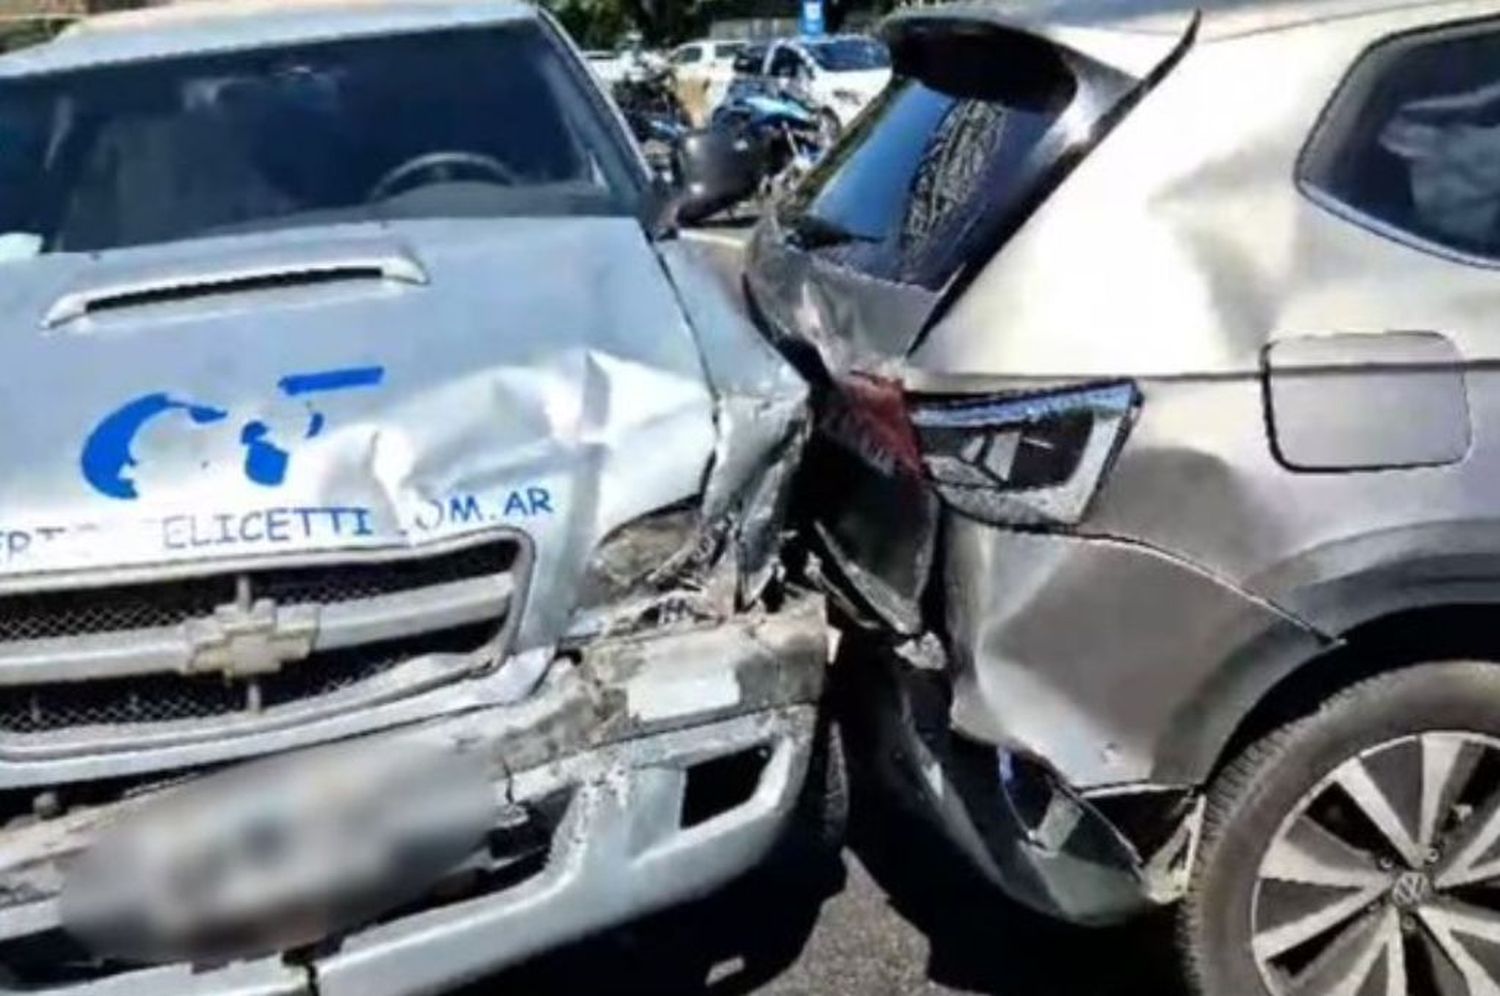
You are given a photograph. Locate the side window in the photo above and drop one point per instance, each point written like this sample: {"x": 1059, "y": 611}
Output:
{"x": 749, "y": 61}
{"x": 786, "y": 63}
{"x": 1412, "y": 140}
{"x": 687, "y": 55}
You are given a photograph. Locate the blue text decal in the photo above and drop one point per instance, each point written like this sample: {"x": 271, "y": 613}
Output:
{"x": 302, "y": 525}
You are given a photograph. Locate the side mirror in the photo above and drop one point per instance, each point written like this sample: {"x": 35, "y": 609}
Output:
{"x": 715, "y": 170}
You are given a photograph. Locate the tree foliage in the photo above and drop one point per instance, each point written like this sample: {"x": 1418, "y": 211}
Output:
{"x": 601, "y": 23}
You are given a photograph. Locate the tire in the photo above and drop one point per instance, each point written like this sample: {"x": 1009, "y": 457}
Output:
{"x": 1342, "y": 850}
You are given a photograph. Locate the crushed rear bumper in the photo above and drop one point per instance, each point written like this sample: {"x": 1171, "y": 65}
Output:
{"x": 1092, "y": 857}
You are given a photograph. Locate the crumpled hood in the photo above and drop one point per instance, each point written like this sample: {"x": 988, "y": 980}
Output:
{"x": 237, "y": 398}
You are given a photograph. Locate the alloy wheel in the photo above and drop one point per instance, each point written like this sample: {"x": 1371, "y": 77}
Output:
{"x": 1385, "y": 878}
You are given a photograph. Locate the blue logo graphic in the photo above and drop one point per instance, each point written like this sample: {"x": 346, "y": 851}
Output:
{"x": 107, "y": 458}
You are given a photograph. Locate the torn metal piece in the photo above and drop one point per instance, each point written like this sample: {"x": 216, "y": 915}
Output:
{"x": 925, "y": 653}
{"x": 853, "y": 321}
{"x": 761, "y": 415}
{"x": 1168, "y": 872}
{"x": 1084, "y": 865}
{"x": 663, "y": 570}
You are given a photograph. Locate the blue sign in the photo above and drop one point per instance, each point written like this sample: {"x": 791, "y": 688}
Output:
{"x": 812, "y": 17}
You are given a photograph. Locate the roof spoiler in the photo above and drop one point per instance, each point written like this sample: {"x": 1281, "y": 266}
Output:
{"x": 954, "y": 48}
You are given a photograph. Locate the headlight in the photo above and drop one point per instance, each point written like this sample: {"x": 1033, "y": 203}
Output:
{"x": 1032, "y": 460}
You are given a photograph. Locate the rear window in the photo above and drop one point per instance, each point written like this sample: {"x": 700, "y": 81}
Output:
{"x": 923, "y": 178}
{"x": 1412, "y": 141}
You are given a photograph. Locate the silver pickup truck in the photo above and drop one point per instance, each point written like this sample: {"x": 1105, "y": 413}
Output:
{"x": 389, "y": 517}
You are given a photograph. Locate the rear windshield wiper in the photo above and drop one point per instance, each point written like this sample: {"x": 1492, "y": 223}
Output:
{"x": 809, "y": 231}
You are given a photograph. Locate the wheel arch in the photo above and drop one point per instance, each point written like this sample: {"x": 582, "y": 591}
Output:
{"x": 1390, "y": 639}
{"x": 1379, "y": 600}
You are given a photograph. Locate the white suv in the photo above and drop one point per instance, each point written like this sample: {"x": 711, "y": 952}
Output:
{"x": 708, "y": 65}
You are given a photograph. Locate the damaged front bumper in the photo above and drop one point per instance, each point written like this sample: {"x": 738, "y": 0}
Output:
{"x": 644, "y": 771}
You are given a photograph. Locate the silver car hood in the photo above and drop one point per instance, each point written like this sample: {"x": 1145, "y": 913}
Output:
{"x": 282, "y": 395}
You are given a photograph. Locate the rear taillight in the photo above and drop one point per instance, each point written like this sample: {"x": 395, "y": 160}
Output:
{"x": 1034, "y": 459}
{"x": 869, "y": 416}
{"x": 1023, "y": 460}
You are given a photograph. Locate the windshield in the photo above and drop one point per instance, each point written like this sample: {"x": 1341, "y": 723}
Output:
{"x": 850, "y": 54}
{"x": 473, "y": 123}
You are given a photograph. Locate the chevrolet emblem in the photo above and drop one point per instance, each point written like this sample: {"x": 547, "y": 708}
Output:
{"x": 239, "y": 641}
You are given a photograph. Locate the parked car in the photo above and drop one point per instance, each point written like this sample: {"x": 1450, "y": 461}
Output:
{"x": 389, "y": 571}
{"x": 1160, "y": 439}
{"x": 841, "y": 74}
{"x": 704, "y": 70}
{"x": 629, "y": 60}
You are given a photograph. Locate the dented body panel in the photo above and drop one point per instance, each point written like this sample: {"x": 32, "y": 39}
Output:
{"x": 1192, "y": 640}
{"x": 484, "y": 402}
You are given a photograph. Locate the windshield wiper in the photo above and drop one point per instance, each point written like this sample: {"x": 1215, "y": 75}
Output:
{"x": 809, "y": 231}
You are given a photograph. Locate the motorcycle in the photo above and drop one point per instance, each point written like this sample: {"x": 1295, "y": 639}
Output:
{"x": 787, "y": 128}
{"x": 647, "y": 95}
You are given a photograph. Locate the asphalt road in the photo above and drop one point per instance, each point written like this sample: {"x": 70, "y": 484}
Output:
{"x": 901, "y": 917}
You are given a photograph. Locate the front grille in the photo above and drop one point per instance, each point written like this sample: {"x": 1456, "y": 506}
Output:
{"x": 167, "y": 698}
{"x": 353, "y": 582}
{"x": 47, "y": 615}
{"x": 107, "y": 610}
{"x": 158, "y": 694}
